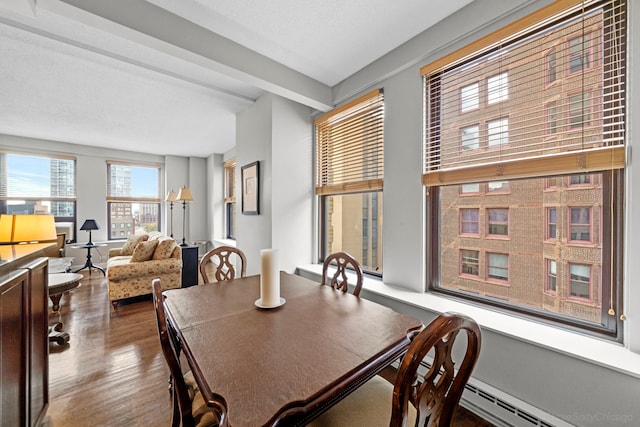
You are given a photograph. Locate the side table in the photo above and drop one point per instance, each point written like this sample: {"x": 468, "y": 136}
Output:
{"x": 89, "y": 264}
{"x": 189, "y": 265}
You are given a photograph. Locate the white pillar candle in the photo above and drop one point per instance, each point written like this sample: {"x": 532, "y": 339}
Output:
{"x": 269, "y": 278}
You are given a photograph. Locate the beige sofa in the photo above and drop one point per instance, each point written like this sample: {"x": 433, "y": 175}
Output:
{"x": 131, "y": 269}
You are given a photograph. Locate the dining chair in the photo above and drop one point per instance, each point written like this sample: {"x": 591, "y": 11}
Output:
{"x": 415, "y": 399}
{"x": 189, "y": 407}
{"x": 342, "y": 262}
{"x": 221, "y": 258}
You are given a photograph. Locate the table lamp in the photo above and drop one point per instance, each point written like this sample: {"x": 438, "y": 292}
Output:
{"x": 27, "y": 228}
{"x": 89, "y": 225}
{"x": 171, "y": 197}
{"x": 184, "y": 196}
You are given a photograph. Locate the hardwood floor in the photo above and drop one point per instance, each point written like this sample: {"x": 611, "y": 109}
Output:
{"x": 112, "y": 372}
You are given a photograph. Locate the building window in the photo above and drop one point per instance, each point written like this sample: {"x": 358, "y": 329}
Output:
{"x": 498, "y": 267}
{"x": 580, "y": 281}
{"x": 580, "y": 224}
{"x": 579, "y": 53}
{"x": 543, "y": 219}
{"x": 552, "y": 224}
{"x": 497, "y": 88}
{"x": 551, "y": 67}
{"x": 469, "y": 221}
{"x": 469, "y": 98}
{"x": 497, "y": 222}
{"x": 494, "y": 187}
{"x": 230, "y": 199}
{"x": 133, "y": 198}
{"x": 469, "y": 262}
{"x": 472, "y": 188}
{"x": 498, "y": 132}
{"x": 349, "y": 180}
{"x": 579, "y": 110}
{"x": 580, "y": 180}
{"x": 552, "y": 275}
{"x": 39, "y": 184}
{"x": 470, "y": 138}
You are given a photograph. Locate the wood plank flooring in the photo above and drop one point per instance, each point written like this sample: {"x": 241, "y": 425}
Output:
{"x": 112, "y": 372}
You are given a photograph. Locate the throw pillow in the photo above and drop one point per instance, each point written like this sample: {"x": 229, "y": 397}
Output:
{"x": 144, "y": 251}
{"x": 132, "y": 242}
{"x": 164, "y": 249}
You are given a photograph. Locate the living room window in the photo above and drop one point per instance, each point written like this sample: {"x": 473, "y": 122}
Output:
{"x": 349, "y": 177}
{"x": 230, "y": 199}
{"x": 133, "y": 199}
{"x": 564, "y": 208}
{"x": 39, "y": 184}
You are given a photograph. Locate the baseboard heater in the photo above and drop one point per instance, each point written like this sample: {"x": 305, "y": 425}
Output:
{"x": 499, "y": 408}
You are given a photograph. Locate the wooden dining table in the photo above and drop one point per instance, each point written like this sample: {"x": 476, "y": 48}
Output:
{"x": 283, "y": 366}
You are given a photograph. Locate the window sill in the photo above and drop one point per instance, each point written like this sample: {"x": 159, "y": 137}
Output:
{"x": 607, "y": 354}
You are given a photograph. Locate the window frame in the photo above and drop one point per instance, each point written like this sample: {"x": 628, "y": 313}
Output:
{"x": 475, "y": 97}
{"x": 491, "y": 235}
{"x": 549, "y": 275}
{"x": 462, "y": 263}
{"x": 489, "y": 277}
{"x": 462, "y": 222}
{"x": 112, "y": 199}
{"x": 230, "y": 205}
{"x": 571, "y": 224}
{"x": 349, "y": 148}
{"x": 437, "y": 174}
{"x": 571, "y": 297}
{"x": 59, "y": 219}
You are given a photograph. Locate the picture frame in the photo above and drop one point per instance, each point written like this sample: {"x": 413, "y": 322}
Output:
{"x": 250, "y": 179}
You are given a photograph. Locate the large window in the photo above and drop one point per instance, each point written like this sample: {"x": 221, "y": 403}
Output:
{"x": 39, "y": 184}
{"x": 549, "y": 249}
{"x": 349, "y": 176}
{"x": 230, "y": 199}
{"x": 133, "y": 199}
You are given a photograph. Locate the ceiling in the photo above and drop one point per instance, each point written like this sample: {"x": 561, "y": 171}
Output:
{"x": 169, "y": 76}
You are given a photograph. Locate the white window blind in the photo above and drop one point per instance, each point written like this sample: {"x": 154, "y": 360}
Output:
{"x": 349, "y": 147}
{"x": 551, "y": 98}
{"x": 128, "y": 182}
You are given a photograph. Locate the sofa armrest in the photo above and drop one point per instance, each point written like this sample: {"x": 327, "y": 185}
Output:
{"x": 115, "y": 252}
{"x": 120, "y": 269}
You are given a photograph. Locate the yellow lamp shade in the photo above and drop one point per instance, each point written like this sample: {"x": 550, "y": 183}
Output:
{"x": 28, "y": 228}
{"x": 6, "y": 228}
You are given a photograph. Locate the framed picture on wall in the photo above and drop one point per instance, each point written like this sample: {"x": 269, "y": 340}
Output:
{"x": 250, "y": 177}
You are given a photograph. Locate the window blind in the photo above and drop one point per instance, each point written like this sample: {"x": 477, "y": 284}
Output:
{"x": 349, "y": 147}
{"x": 129, "y": 182}
{"x": 542, "y": 96}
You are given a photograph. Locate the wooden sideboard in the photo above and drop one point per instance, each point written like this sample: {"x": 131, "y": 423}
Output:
{"x": 24, "y": 319}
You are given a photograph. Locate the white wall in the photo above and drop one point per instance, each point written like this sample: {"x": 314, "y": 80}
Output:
{"x": 277, "y": 133}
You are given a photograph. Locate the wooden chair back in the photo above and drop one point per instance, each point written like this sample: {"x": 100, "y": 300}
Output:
{"x": 435, "y": 398}
{"x": 221, "y": 257}
{"x": 182, "y": 413}
{"x": 338, "y": 280}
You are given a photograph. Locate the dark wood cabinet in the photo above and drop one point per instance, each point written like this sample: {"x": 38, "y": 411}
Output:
{"x": 24, "y": 318}
{"x": 189, "y": 265}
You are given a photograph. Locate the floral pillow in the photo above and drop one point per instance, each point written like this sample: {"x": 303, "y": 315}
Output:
{"x": 132, "y": 242}
{"x": 144, "y": 251}
{"x": 165, "y": 249}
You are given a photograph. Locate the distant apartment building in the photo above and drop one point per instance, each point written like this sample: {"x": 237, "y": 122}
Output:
{"x": 534, "y": 242}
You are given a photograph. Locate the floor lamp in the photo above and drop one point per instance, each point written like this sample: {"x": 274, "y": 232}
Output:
{"x": 171, "y": 197}
{"x": 184, "y": 196}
